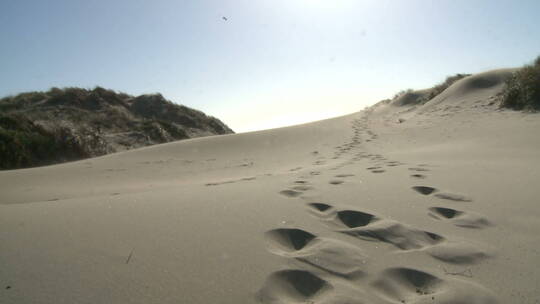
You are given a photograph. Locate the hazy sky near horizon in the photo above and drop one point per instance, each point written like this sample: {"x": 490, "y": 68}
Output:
{"x": 272, "y": 62}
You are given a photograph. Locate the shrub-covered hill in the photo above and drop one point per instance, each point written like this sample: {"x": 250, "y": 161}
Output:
{"x": 40, "y": 128}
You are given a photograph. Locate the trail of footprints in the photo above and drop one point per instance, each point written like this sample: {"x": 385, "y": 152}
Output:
{"x": 328, "y": 270}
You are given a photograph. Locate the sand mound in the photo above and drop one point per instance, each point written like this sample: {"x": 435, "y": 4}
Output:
{"x": 467, "y": 91}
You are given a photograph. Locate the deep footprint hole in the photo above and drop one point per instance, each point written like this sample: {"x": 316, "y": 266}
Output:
{"x": 320, "y": 206}
{"x": 303, "y": 282}
{"x": 291, "y": 238}
{"x": 446, "y": 212}
{"x": 336, "y": 182}
{"x": 425, "y": 190}
{"x": 353, "y": 219}
{"x": 290, "y": 193}
{"x": 417, "y": 280}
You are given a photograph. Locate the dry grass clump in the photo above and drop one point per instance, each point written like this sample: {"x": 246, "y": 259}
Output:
{"x": 522, "y": 90}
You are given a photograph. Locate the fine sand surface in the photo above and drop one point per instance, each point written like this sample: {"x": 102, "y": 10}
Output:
{"x": 436, "y": 203}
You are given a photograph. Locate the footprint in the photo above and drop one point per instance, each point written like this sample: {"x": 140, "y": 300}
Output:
{"x": 408, "y": 285}
{"x": 292, "y": 286}
{"x": 445, "y": 212}
{"x": 460, "y": 218}
{"x": 321, "y": 207}
{"x": 378, "y": 171}
{"x": 300, "y": 182}
{"x": 344, "y": 175}
{"x": 302, "y": 188}
{"x": 335, "y": 257}
{"x": 419, "y": 169}
{"x": 331, "y": 256}
{"x": 453, "y": 197}
{"x": 354, "y": 219}
{"x": 289, "y": 239}
{"x": 425, "y": 190}
{"x": 458, "y": 253}
{"x": 336, "y": 182}
{"x": 397, "y": 234}
{"x": 421, "y": 176}
{"x": 290, "y": 193}
{"x": 393, "y": 163}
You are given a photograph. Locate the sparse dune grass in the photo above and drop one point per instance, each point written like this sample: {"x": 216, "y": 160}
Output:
{"x": 522, "y": 91}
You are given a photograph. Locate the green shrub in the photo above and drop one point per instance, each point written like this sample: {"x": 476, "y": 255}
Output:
{"x": 522, "y": 90}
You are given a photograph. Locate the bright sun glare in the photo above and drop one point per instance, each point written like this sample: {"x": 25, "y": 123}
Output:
{"x": 325, "y": 4}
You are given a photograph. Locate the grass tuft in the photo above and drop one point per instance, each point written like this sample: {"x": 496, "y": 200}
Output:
{"x": 522, "y": 90}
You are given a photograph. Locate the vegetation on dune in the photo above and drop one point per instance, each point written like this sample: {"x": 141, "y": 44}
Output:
{"x": 24, "y": 144}
{"x": 522, "y": 90}
{"x": 438, "y": 89}
{"x": 411, "y": 97}
{"x": 39, "y": 128}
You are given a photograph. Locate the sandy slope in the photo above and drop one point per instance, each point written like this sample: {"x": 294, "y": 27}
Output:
{"x": 418, "y": 204}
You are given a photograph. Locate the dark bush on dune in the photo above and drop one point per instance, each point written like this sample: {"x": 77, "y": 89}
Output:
{"x": 24, "y": 144}
{"x": 40, "y": 128}
{"x": 522, "y": 90}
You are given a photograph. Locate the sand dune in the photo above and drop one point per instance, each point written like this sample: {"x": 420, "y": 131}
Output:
{"x": 417, "y": 203}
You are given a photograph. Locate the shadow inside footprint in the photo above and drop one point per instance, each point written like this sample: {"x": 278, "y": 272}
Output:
{"x": 353, "y": 219}
{"x": 425, "y": 190}
{"x": 336, "y": 182}
{"x": 453, "y": 197}
{"x": 406, "y": 283}
{"x": 344, "y": 175}
{"x": 290, "y": 239}
{"x": 445, "y": 212}
{"x": 290, "y": 193}
{"x": 288, "y": 286}
{"x": 418, "y": 176}
{"x": 320, "y": 206}
{"x": 460, "y": 218}
{"x": 418, "y": 169}
{"x": 373, "y": 168}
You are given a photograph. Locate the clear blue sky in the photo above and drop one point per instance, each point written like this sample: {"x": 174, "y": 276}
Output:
{"x": 273, "y": 62}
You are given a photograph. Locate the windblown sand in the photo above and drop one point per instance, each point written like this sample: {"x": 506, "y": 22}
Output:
{"x": 435, "y": 203}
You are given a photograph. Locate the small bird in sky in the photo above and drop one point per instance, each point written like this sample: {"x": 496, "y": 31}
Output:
{"x": 224, "y": 18}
